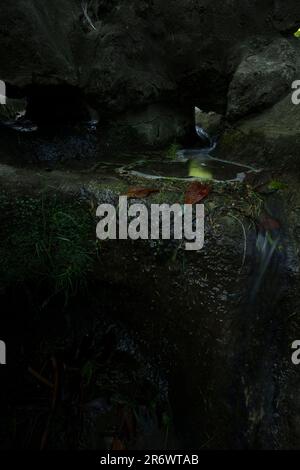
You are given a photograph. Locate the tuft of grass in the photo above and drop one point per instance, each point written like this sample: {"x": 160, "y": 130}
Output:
{"x": 47, "y": 243}
{"x": 172, "y": 151}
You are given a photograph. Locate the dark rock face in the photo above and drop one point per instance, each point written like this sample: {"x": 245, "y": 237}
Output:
{"x": 262, "y": 78}
{"x": 264, "y": 137}
{"x": 125, "y": 56}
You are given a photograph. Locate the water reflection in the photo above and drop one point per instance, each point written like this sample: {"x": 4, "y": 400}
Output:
{"x": 199, "y": 170}
{"x": 195, "y": 165}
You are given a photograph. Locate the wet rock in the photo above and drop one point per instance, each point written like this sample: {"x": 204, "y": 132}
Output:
{"x": 155, "y": 125}
{"x": 262, "y": 78}
{"x": 211, "y": 122}
{"x": 270, "y": 139}
{"x": 122, "y": 58}
{"x": 226, "y": 360}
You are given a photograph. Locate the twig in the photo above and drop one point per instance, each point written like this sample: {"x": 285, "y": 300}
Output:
{"x": 39, "y": 377}
{"x": 245, "y": 239}
{"x": 53, "y": 404}
{"x": 86, "y": 15}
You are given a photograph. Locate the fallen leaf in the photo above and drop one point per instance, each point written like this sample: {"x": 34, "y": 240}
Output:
{"x": 196, "y": 192}
{"x": 268, "y": 224}
{"x": 117, "y": 444}
{"x": 140, "y": 192}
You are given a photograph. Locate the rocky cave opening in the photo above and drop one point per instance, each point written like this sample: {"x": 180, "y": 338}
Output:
{"x": 56, "y": 104}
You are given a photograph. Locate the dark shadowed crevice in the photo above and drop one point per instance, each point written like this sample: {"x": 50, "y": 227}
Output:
{"x": 56, "y": 104}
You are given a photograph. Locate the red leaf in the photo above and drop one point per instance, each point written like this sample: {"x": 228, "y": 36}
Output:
{"x": 140, "y": 192}
{"x": 117, "y": 444}
{"x": 196, "y": 192}
{"x": 268, "y": 224}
